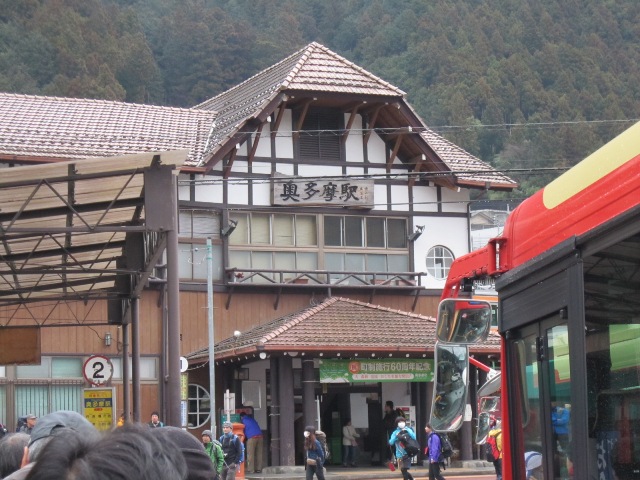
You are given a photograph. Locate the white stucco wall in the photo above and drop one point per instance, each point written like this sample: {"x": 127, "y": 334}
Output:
{"x": 453, "y": 201}
{"x": 451, "y": 233}
{"x": 425, "y": 199}
{"x": 400, "y": 198}
{"x": 284, "y": 140}
{"x": 353, "y": 145}
{"x": 208, "y": 192}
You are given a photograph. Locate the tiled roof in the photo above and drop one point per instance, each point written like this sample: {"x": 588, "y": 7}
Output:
{"x": 69, "y": 128}
{"x": 458, "y": 160}
{"x": 340, "y": 325}
{"x": 314, "y": 68}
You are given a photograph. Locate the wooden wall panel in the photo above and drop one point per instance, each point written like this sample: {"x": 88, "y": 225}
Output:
{"x": 248, "y": 310}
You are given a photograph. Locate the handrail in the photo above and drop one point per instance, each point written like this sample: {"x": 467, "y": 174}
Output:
{"x": 331, "y": 278}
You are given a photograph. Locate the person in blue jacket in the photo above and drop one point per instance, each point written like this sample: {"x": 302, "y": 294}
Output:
{"x": 314, "y": 454}
{"x": 434, "y": 450}
{"x": 404, "y": 461}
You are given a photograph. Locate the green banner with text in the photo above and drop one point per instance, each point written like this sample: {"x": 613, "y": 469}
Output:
{"x": 370, "y": 370}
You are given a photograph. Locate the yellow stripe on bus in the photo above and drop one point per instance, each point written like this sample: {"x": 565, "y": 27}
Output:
{"x": 597, "y": 165}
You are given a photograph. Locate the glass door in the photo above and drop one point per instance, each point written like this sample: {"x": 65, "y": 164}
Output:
{"x": 543, "y": 397}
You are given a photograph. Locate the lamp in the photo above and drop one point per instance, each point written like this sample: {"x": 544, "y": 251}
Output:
{"x": 228, "y": 230}
{"x": 107, "y": 339}
{"x": 412, "y": 237}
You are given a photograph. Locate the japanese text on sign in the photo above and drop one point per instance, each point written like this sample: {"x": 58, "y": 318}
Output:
{"x": 356, "y": 193}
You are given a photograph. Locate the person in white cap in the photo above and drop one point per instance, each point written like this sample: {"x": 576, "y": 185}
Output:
{"x": 533, "y": 466}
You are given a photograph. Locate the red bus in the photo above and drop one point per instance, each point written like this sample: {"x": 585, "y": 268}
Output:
{"x": 567, "y": 276}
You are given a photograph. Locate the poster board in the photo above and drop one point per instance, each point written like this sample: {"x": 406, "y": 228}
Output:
{"x": 99, "y": 407}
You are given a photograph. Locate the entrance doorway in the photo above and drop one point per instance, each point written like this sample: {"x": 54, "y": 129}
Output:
{"x": 361, "y": 405}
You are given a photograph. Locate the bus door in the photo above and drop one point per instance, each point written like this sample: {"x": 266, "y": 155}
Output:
{"x": 543, "y": 396}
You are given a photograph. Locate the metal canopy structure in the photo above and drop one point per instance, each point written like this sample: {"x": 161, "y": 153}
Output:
{"x": 91, "y": 230}
{"x": 82, "y": 230}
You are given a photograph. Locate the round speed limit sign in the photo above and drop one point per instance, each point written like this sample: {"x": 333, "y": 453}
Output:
{"x": 98, "y": 370}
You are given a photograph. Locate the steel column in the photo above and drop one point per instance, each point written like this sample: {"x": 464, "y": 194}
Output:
{"x": 173, "y": 330}
{"x": 135, "y": 357}
{"x": 287, "y": 437}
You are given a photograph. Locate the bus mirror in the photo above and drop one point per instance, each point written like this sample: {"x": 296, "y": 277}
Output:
{"x": 450, "y": 387}
{"x": 484, "y": 427}
{"x": 489, "y": 404}
{"x": 463, "y": 321}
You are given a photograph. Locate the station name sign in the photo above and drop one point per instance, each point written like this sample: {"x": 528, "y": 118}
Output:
{"x": 314, "y": 192}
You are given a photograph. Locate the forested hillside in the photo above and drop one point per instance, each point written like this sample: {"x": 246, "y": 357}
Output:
{"x": 524, "y": 84}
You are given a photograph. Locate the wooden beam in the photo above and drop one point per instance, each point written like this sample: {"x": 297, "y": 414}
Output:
{"x": 254, "y": 146}
{"x": 418, "y": 162}
{"x": 303, "y": 115}
{"x": 230, "y": 160}
{"x": 276, "y": 126}
{"x": 352, "y": 118}
{"x": 394, "y": 153}
{"x": 372, "y": 123}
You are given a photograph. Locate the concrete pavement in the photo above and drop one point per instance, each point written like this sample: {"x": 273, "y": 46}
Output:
{"x": 333, "y": 472}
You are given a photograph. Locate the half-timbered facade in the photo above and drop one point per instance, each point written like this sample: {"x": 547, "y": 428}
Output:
{"x": 313, "y": 179}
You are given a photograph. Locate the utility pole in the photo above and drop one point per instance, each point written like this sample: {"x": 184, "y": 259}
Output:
{"x": 212, "y": 363}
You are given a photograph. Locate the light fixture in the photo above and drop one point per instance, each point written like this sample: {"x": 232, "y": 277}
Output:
{"x": 107, "y": 339}
{"x": 262, "y": 355}
{"x": 414, "y": 236}
{"x": 228, "y": 230}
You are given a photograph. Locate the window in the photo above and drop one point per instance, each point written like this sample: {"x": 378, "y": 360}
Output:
{"x": 375, "y": 232}
{"x": 59, "y": 388}
{"x": 290, "y": 242}
{"x": 319, "y": 138}
{"x": 251, "y": 393}
{"x": 199, "y": 407}
{"x": 194, "y": 227}
{"x": 439, "y": 261}
{"x": 192, "y": 261}
{"x": 148, "y": 368}
{"x": 199, "y": 224}
{"x": 66, "y": 368}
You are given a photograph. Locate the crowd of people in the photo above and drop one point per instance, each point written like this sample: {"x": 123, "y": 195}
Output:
{"x": 64, "y": 445}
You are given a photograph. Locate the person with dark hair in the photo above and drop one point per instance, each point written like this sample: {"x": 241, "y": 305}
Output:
{"x": 389, "y": 422}
{"x": 214, "y": 449}
{"x": 12, "y": 447}
{"x": 404, "y": 460}
{"x": 233, "y": 451}
{"x": 30, "y": 420}
{"x": 313, "y": 454}
{"x": 255, "y": 443}
{"x": 199, "y": 466}
{"x": 349, "y": 443}
{"x": 129, "y": 452}
{"x": 155, "y": 421}
{"x": 48, "y": 427}
{"x": 434, "y": 449}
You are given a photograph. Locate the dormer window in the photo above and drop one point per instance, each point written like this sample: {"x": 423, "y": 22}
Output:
{"x": 320, "y": 134}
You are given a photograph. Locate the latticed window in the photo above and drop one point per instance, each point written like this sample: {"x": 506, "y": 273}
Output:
{"x": 199, "y": 406}
{"x": 439, "y": 260}
{"x": 320, "y": 138}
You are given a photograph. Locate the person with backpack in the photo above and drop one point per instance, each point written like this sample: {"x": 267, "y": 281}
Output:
{"x": 494, "y": 447}
{"x": 434, "y": 453}
{"x": 313, "y": 454}
{"x": 233, "y": 452}
{"x": 401, "y": 439}
{"x": 214, "y": 450}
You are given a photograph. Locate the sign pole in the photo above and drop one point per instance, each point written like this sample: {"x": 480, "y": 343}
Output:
{"x": 212, "y": 362}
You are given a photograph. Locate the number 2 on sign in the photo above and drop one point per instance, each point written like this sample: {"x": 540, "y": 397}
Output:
{"x": 97, "y": 368}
